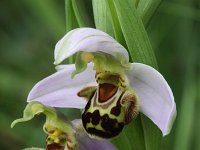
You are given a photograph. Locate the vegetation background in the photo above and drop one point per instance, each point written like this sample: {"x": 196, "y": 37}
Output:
{"x": 29, "y": 30}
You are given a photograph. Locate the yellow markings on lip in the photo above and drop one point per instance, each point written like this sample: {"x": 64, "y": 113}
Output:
{"x": 56, "y": 136}
{"x": 98, "y": 126}
{"x": 106, "y": 91}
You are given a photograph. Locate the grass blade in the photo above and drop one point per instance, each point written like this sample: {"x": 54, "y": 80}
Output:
{"x": 135, "y": 34}
{"x": 82, "y": 13}
{"x": 71, "y": 21}
{"x": 146, "y": 9}
{"x": 102, "y": 16}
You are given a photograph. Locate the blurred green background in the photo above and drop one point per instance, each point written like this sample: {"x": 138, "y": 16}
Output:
{"x": 29, "y": 30}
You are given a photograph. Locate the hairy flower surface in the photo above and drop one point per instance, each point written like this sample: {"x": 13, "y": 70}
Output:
{"x": 110, "y": 89}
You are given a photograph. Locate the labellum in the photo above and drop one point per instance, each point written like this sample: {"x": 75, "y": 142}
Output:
{"x": 111, "y": 105}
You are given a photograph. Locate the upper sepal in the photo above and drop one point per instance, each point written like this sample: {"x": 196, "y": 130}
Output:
{"x": 88, "y": 40}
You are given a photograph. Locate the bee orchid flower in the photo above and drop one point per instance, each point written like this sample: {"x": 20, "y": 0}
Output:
{"x": 62, "y": 134}
{"x": 110, "y": 90}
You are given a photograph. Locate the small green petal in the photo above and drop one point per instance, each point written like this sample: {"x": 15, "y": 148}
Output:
{"x": 80, "y": 64}
{"x": 33, "y": 109}
{"x": 52, "y": 119}
{"x": 107, "y": 62}
{"x": 102, "y": 62}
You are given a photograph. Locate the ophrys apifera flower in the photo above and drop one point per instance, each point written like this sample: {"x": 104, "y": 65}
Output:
{"x": 110, "y": 89}
{"x": 62, "y": 134}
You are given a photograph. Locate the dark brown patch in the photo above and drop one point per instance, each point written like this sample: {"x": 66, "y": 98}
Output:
{"x": 86, "y": 118}
{"x": 117, "y": 109}
{"x": 106, "y": 134}
{"x": 106, "y": 91}
{"x": 99, "y": 133}
{"x": 131, "y": 112}
{"x": 111, "y": 126}
{"x": 86, "y": 115}
{"x": 95, "y": 117}
{"x": 54, "y": 146}
{"x": 87, "y": 106}
{"x": 130, "y": 101}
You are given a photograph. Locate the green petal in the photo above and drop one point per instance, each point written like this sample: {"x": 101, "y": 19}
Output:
{"x": 30, "y": 111}
{"x": 52, "y": 119}
{"x": 102, "y": 62}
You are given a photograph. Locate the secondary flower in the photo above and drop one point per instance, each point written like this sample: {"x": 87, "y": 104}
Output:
{"x": 114, "y": 89}
{"x": 61, "y": 133}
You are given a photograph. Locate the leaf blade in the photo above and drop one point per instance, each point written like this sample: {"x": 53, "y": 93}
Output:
{"x": 146, "y": 9}
{"x": 135, "y": 35}
{"x": 82, "y": 14}
{"x": 102, "y": 16}
{"x": 71, "y": 21}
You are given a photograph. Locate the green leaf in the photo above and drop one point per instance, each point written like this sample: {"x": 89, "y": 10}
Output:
{"x": 135, "y": 34}
{"x": 102, "y": 16}
{"x": 122, "y": 141}
{"x": 82, "y": 14}
{"x": 152, "y": 135}
{"x": 115, "y": 23}
{"x": 71, "y": 21}
{"x": 146, "y": 9}
{"x": 131, "y": 137}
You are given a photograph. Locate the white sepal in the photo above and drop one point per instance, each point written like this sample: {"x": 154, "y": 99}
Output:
{"x": 156, "y": 98}
{"x": 59, "y": 90}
